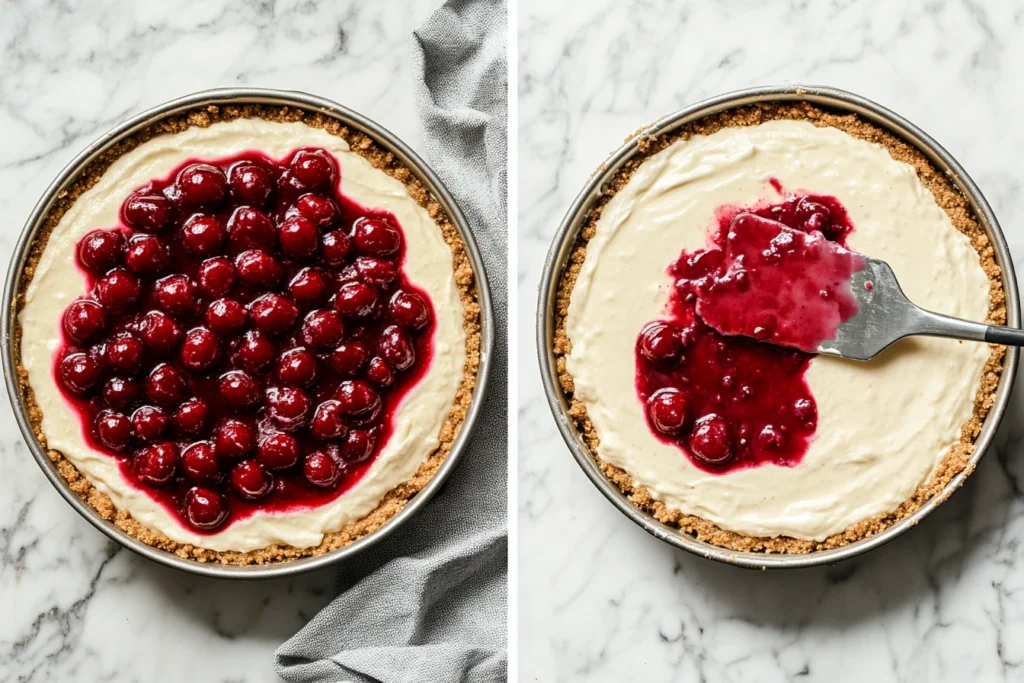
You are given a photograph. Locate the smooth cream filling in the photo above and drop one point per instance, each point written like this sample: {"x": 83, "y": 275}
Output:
{"x": 418, "y": 419}
{"x": 884, "y": 426}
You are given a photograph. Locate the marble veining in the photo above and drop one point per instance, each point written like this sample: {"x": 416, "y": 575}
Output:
{"x": 600, "y": 600}
{"x": 76, "y": 606}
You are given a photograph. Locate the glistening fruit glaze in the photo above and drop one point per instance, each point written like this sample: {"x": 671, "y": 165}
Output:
{"x": 248, "y": 335}
{"x": 731, "y": 402}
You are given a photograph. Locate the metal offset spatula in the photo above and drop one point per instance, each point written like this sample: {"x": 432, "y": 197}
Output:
{"x": 886, "y": 315}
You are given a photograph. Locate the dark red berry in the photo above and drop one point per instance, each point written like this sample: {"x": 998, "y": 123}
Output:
{"x": 200, "y": 350}
{"x": 349, "y": 358}
{"x": 358, "y": 446}
{"x": 409, "y": 309}
{"x": 121, "y": 393}
{"x": 318, "y": 209}
{"x": 709, "y": 440}
{"x": 199, "y": 462}
{"x": 84, "y": 320}
{"x": 299, "y": 237}
{"x": 249, "y": 228}
{"x": 203, "y": 235}
{"x": 770, "y": 439}
{"x": 290, "y": 188}
{"x": 396, "y": 348}
{"x": 661, "y": 344}
{"x": 313, "y": 167}
{"x": 204, "y": 509}
{"x": 79, "y": 373}
{"x": 355, "y": 299}
{"x": 201, "y": 184}
{"x": 255, "y": 352}
{"x": 113, "y": 430}
{"x": 216, "y": 276}
{"x": 308, "y": 288}
{"x": 376, "y": 236}
{"x": 358, "y": 400}
{"x": 668, "y": 409}
{"x": 148, "y": 212}
{"x": 256, "y": 268}
{"x": 125, "y": 353}
{"x": 225, "y": 316}
{"x": 234, "y": 439}
{"x": 297, "y": 367}
{"x": 278, "y": 451}
{"x": 379, "y": 373}
{"x": 322, "y": 329}
{"x": 176, "y": 294}
{"x": 250, "y": 183}
{"x": 335, "y": 248}
{"x": 101, "y": 250}
{"x": 376, "y": 271}
{"x": 328, "y": 422}
{"x": 289, "y": 407}
{"x": 118, "y": 289}
{"x": 250, "y": 480}
{"x": 321, "y": 469}
{"x": 160, "y": 333}
{"x": 165, "y": 386}
{"x": 192, "y": 416}
{"x": 155, "y": 465}
{"x": 273, "y": 313}
{"x": 806, "y": 412}
{"x": 238, "y": 390}
{"x": 149, "y": 423}
{"x": 146, "y": 254}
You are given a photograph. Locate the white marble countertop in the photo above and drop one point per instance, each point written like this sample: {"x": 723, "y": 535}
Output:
{"x": 600, "y": 600}
{"x": 74, "y": 605}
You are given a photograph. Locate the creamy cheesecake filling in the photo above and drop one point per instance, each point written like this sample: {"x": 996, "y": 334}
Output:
{"x": 883, "y": 426}
{"x": 418, "y": 419}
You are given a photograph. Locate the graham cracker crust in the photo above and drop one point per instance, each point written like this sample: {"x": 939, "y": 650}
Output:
{"x": 396, "y": 499}
{"x": 947, "y": 197}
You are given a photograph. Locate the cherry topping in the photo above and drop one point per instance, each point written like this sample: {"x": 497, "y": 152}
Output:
{"x": 199, "y": 463}
{"x": 149, "y": 423}
{"x": 146, "y": 254}
{"x": 202, "y": 234}
{"x": 289, "y": 407}
{"x": 113, "y": 430}
{"x": 328, "y": 421}
{"x": 204, "y": 509}
{"x": 238, "y": 390}
{"x": 396, "y": 348}
{"x": 234, "y": 439}
{"x": 165, "y": 386}
{"x": 308, "y": 288}
{"x": 322, "y": 329}
{"x": 297, "y": 367}
{"x": 160, "y": 333}
{"x": 667, "y": 409}
{"x": 80, "y": 373}
{"x": 250, "y": 228}
{"x": 278, "y": 451}
{"x": 349, "y": 358}
{"x": 192, "y": 416}
{"x": 257, "y": 269}
{"x": 376, "y": 271}
{"x": 335, "y": 248}
{"x": 155, "y": 464}
{"x": 101, "y": 250}
{"x": 84, "y": 320}
{"x": 125, "y": 353}
{"x": 250, "y": 480}
{"x": 273, "y": 313}
{"x": 299, "y": 237}
{"x": 201, "y": 184}
{"x": 200, "y": 350}
{"x": 255, "y": 352}
{"x": 321, "y": 469}
{"x": 318, "y": 209}
{"x": 313, "y": 168}
{"x": 250, "y": 183}
{"x": 661, "y": 344}
{"x": 358, "y": 446}
{"x": 148, "y": 212}
{"x": 121, "y": 393}
{"x": 358, "y": 400}
{"x": 375, "y": 236}
{"x": 225, "y": 316}
{"x": 118, "y": 289}
{"x": 408, "y": 309}
{"x": 355, "y": 299}
{"x": 709, "y": 440}
{"x": 216, "y": 276}
{"x": 379, "y": 373}
{"x": 176, "y": 294}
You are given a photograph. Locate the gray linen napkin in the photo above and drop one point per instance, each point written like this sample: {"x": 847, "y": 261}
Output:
{"x": 430, "y": 602}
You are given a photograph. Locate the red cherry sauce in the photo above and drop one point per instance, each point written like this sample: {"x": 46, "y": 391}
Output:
{"x": 733, "y": 402}
{"x": 294, "y": 186}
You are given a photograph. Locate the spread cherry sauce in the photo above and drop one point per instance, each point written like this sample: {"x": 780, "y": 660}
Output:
{"x": 247, "y": 336}
{"x": 731, "y": 402}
